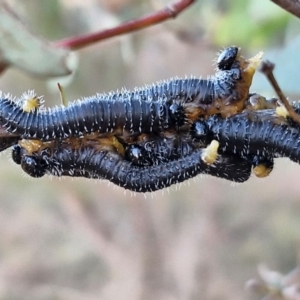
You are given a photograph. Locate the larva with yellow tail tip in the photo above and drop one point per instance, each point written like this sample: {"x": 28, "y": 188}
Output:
{"x": 89, "y": 162}
{"x": 166, "y": 105}
{"x": 256, "y": 133}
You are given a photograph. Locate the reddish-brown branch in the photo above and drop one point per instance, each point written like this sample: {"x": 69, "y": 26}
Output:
{"x": 292, "y": 6}
{"x": 170, "y": 11}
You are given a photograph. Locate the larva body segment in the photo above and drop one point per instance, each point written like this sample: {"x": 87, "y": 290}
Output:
{"x": 79, "y": 119}
{"x": 166, "y": 105}
{"x": 247, "y": 134}
{"x": 296, "y": 107}
{"x": 160, "y": 149}
{"x": 103, "y": 164}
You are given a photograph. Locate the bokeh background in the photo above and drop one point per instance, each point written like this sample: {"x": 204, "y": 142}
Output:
{"x": 85, "y": 239}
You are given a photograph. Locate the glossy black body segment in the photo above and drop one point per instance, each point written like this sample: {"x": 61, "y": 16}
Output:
{"x": 16, "y": 154}
{"x": 102, "y": 164}
{"x": 150, "y": 109}
{"x": 33, "y": 166}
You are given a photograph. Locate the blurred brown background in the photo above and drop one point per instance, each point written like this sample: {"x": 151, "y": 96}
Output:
{"x": 86, "y": 239}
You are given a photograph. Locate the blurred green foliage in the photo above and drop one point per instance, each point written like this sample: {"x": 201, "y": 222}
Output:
{"x": 250, "y": 23}
{"x": 247, "y": 23}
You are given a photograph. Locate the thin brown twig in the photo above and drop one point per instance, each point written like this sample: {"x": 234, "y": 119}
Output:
{"x": 62, "y": 94}
{"x": 3, "y": 66}
{"x": 170, "y": 11}
{"x": 267, "y": 68}
{"x": 292, "y": 6}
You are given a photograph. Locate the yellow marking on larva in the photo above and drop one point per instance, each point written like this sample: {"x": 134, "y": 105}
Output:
{"x": 31, "y": 103}
{"x": 261, "y": 171}
{"x": 257, "y": 102}
{"x": 248, "y": 68}
{"x": 32, "y": 145}
{"x": 74, "y": 142}
{"x": 233, "y": 104}
{"x": 253, "y": 63}
{"x": 118, "y": 145}
{"x": 106, "y": 143}
{"x": 282, "y": 111}
{"x": 210, "y": 153}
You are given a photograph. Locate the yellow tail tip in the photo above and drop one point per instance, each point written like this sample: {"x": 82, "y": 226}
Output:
{"x": 210, "y": 153}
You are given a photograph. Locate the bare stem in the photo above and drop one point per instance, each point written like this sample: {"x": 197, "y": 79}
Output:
{"x": 267, "y": 68}
{"x": 62, "y": 94}
{"x": 170, "y": 11}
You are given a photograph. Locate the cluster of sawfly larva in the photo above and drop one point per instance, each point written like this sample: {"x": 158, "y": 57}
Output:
{"x": 156, "y": 136}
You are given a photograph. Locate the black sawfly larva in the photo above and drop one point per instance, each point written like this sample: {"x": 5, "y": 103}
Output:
{"x": 262, "y": 166}
{"x": 103, "y": 164}
{"x": 169, "y": 104}
{"x": 261, "y": 133}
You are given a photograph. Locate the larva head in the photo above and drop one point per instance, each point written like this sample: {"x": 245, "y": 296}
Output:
{"x": 199, "y": 131}
{"x": 177, "y": 114}
{"x": 16, "y": 154}
{"x": 33, "y": 166}
{"x": 227, "y": 58}
{"x": 137, "y": 155}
